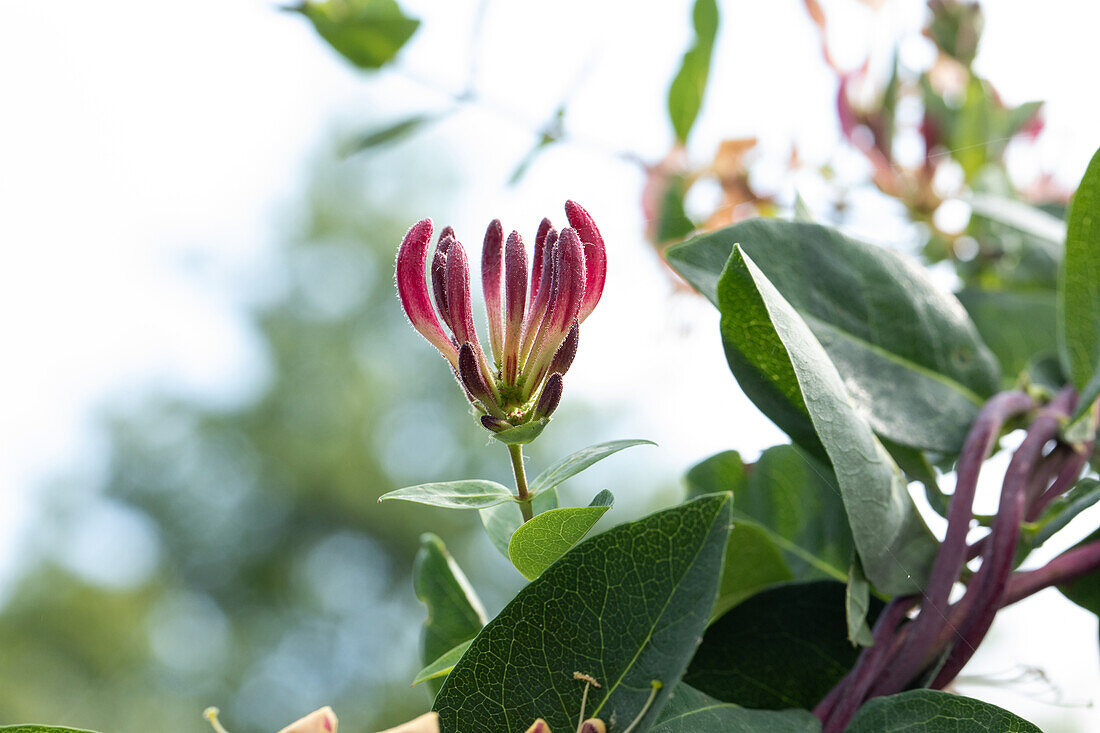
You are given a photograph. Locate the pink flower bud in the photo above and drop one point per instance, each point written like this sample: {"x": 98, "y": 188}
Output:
{"x": 539, "y": 726}
{"x": 595, "y": 256}
{"x": 550, "y": 397}
{"x": 491, "y": 254}
{"x": 439, "y": 273}
{"x": 563, "y": 358}
{"x": 495, "y": 424}
{"x": 458, "y": 295}
{"x": 515, "y": 264}
{"x": 412, "y": 288}
{"x": 566, "y": 295}
{"x": 536, "y": 263}
{"x": 469, "y": 373}
{"x": 540, "y": 300}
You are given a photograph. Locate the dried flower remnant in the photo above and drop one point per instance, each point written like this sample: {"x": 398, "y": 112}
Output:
{"x": 534, "y": 311}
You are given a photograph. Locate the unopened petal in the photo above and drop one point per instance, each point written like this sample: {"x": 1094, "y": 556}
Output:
{"x": 319, "y": 721}
{"x": 595, "y": 255}
{"x": 439, "y": 273}
{"x": 491, "y": 260}
{"x": 515, "y": 297}
{"x": 550, "y": 397}
{"x": 412, "y": 288}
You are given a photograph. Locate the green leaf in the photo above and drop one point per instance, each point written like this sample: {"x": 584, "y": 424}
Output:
{"x": 627, "y": 607}
{"x": 1026, "y": 219}
{"x": 501, "y": 521}
{"x": 40, "y": 729}
{"x": 1018, "y": 325}
{"x": 468, "y": 494}
{"x": 673, "y": 223}
{"x": 783, "y": 648}
{"x": 368, "y": 33}
{"x": 932, "y": 711}
{"x": 389, "y": 133}
{"x": 911, "y": 359}
{"x": 1085, "y": 591}
{"x": 574, "y": 463}
{"x": 685, "y": 95}
{"x": 1079, "y": 294}
{"x": 857, "y": 603}
{"x": 724, "y": 471}
{"x": 455, "y": 614}
{"x": 787, "y": 373}
{"x": 1084, "y": 494}
{"x": 690, "y": 711}
{"x": 442, "y": 666}
{"x": 542, "y": 540}
{"x": 753, "y": 563}
{"x": 522, "y": 434}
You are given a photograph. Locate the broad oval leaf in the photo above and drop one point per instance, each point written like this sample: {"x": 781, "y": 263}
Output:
{"x": 468, "y": 494}
{"x": 626, "y": 607}
{"x": 576, "y": 462}
{"x": 685, "y": 94}
{"x": 690, "y": 711}
{"x": 784, "y": 647}
{"x": 753, "y": 563}
{"x": 501, "y": 521}
{"x": 778, "y": 362}
{"x": 1018, "y": 325}
{"x": 542, "y": 540}
{"x": 1079, "y": 292}
{"x": 368, "y": 33}
{"x": 522, "y": 434}
{"x": 793, "y": 498}
{"x": 932, "y": 711}
{"x": 907, "y": 351}
{"x": 455, "y": 613}
{"x": 442, "y": 666}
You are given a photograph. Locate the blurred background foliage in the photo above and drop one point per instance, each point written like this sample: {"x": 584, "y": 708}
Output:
{"x": 251, "y": 567}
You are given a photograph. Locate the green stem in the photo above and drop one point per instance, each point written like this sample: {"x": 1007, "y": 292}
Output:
{"x": 515, "y": 450}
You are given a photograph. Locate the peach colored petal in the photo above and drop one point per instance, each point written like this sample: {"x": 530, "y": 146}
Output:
{"x": 319, "y": 721}
{"x": 426, "y": 723}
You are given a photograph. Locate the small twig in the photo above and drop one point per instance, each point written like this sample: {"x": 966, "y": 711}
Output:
{"x": 515, "y": 451}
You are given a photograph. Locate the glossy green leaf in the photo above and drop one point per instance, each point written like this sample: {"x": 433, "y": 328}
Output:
{"x": 539, "y": 542}
{"x": 626, "y": 607}
{"x": 501, "y": 521}
{"x": 522, "y": 434}
{"x": 785, "y": 370}
{"x": 690, "y": 711}
{"x": 673, "y": 223}
{"x": 443, "y": 665}
{"x": 932, "y": 711}
{"x": 1079, "y": 294}
{"x": 40, "y": 729}
{"x": 784, "y": 647}
{"x": 468, "y": 494}
{"x": 753, "y": 562}
{"x": 368, "y": 33}
{"x": 910, "y": 358}
{"x": 1018, "y": 325}
{"x": 685, "y": 95}
{"x": 574, "y": 463}
{"x": 455, "y": 614}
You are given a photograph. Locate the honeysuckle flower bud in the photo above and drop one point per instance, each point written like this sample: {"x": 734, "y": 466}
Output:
{"x": 539, "y": 726}
{"x": 412, "y": 288}
{"x": 491, "y": 256}
{"x": 550, "y": 397}
{"x": 533, "y": 322}
{"x": 593, "y": 725}
{"x": 319, "y": 721}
